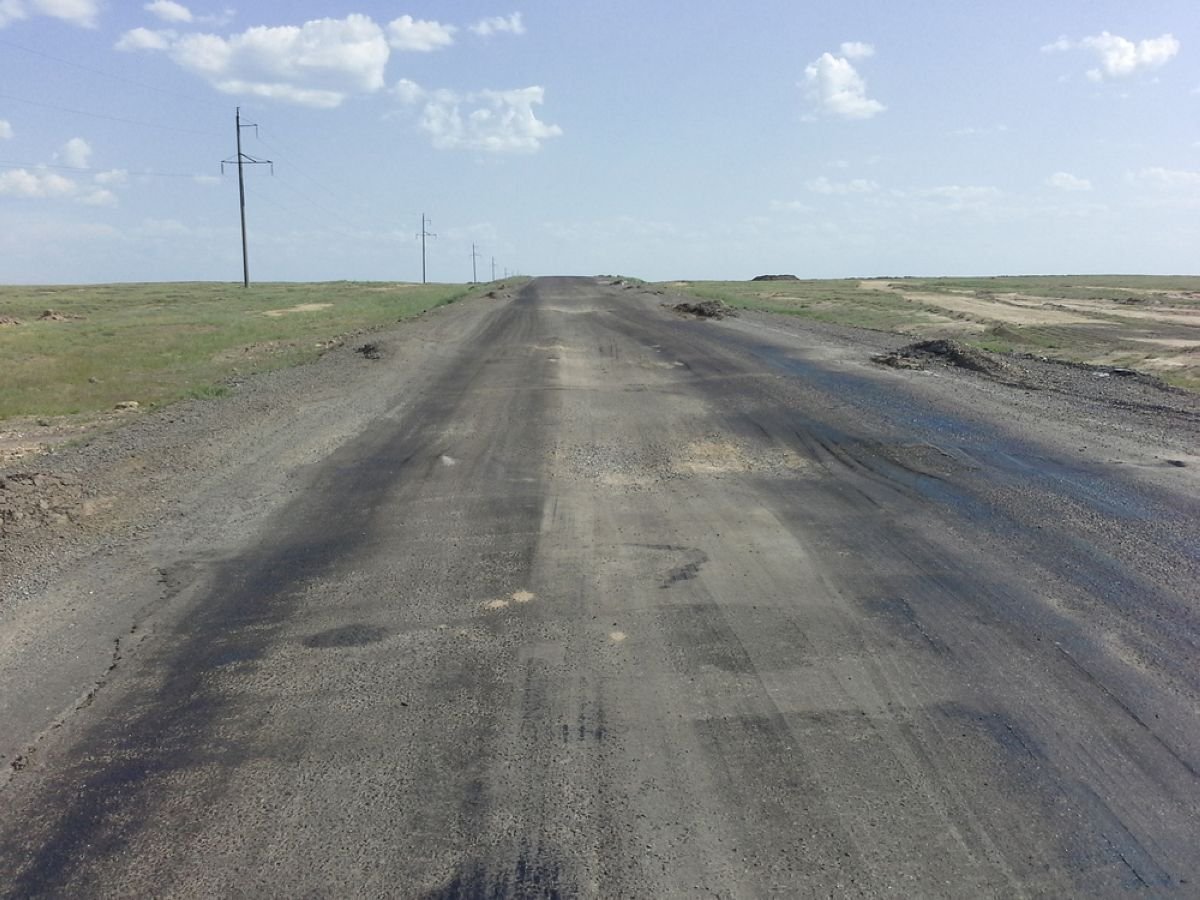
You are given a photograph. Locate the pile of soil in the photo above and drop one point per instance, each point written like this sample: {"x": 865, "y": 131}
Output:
{"x": 950, "y": 353}
{"x": 705, "y": 309}
{"x": 51, "y": 315}
{"x": 774, "y": 278}
{"x": 8, "y": 320}
{"x": 33, "y": 500}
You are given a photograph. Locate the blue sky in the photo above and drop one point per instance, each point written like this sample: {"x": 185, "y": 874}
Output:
{"x": 697, "y": 140}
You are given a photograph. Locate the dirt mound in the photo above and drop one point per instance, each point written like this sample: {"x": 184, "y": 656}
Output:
{"x": 31, "y": 500}
{"x": 950, "y": 353}
{"x": 705, "y": 309}
{"x": 774, "y": 278}
{"x": 8, "y": 320}
{"x": 51, "y": 315}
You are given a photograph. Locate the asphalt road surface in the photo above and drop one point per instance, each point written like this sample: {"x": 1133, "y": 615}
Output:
{"x": 623, "y": 603}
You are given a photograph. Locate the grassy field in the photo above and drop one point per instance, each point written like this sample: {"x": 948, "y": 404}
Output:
{"x": 1150, "y": 323}
{"x": 154, "y": 343}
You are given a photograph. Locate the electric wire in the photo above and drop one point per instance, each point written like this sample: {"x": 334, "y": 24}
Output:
{"x": 75, "y": 65}
{"x": 95, "y": 115}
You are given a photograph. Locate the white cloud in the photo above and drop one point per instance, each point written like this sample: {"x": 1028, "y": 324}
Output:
{"x": 316, "y": 64}
{"x": 6, "y": 130}
{"x": 420, "y": 35}
{"x": 113, "y": 177}
{"x": 857, "y": 50}
{"x": 78, "y": 12}
{"x": 169, "y": 11}
{"x": 1065, "y": 181}
{"x": 1120, "y": 57}
{"x": 835, "y": 88}
{"x": 76, "y": 153}
{"x": 794, "y": 206}
{"x": 510, "y": 24}
{"x": 98, "y": 197}
{"x": 955, "y": 197}
{"x": 1158, "y": 178}
{"x": 35, "y": 184}
{"x": 409, "y": 92}
{"x": 489, "y": 120}
{"x": 975, "y": 130}
{"x": 145, "y": 39}
{"x": 823, "y": 185}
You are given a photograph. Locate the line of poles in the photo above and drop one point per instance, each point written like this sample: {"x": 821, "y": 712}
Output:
{"x": 241, "y": 160}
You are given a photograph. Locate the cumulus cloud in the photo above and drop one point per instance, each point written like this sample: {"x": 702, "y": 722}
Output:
{"x": 40, "y": 184}
{"x": 169, "y": 11}
{"x": 1120, "y": 57}
{"x": 83, "y": 13}
{"x": 954, "y": 197}
{"x": 6, "y": 130}
{"x": 510, "y": 24}
{"x": 1158, "y": 178}
{"x": 420, "y": 35}
{"x": 823, "y": 185}
{"x": 857, "y": 50}
{"x": 488, "y": 120}
{"x": 35, "y": 184}
{"x": 113, "y": 177}
{"x": 98, "y": 197}
{"x": 315, "y": 64}
{"x": 835, "y": 88}
{"x": 145, "y": 39}
{"x": 1065, "y": 181}
{"x": 76, "y": 153}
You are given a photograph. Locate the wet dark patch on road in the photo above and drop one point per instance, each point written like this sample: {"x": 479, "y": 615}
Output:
{"x": 356, "y": 635}
{"x": 533, "y": 874}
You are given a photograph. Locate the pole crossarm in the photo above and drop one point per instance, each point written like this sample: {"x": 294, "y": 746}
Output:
{"x": 241, "y": 160}
{"x": 423, "y": 234}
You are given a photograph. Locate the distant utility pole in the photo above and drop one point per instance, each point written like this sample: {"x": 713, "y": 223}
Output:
{"x": 422, "y": 234}
{"x": 493, "y": 268}
{"x": 474, "y": 258}
{"x": 241, "y": 161}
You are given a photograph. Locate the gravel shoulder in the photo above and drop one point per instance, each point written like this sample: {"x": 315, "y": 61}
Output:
{"x": 87, "y": 532}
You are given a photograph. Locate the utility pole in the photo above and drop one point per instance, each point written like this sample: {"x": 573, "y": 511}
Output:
{"x": 493, "y": 268}
{"x": 474, "y": 258}
{"x": 242, "y": 161}
{"x": 424, "y": 233}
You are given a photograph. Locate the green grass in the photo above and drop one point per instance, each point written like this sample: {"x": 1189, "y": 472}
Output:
{"x": 871, "y": 303}
{"x": 840, "y": 302}
{"x": 155, "y": 343}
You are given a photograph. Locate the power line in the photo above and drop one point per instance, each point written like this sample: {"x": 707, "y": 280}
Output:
{"x": 242, "y": 161}
{"x": 17, "y": 165}
{"x": 424, "y": 233}
{"x": 102, "y": 73}
{"x": 94, "y": 115}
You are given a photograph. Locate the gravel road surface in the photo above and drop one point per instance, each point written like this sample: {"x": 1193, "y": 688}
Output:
{"x": 571, "y": 595}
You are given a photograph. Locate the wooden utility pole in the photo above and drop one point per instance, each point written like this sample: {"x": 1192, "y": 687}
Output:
{"x": 424, "y": 233}
{"x": 242, "y": 161}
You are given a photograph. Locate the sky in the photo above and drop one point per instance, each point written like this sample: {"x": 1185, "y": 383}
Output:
{"x": 662, "y": 140}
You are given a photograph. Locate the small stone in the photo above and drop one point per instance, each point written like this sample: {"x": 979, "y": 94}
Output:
{"x": 127, "y": 404}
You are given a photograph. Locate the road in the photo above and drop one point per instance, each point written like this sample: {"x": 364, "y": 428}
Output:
{"x": 623, "y": 603}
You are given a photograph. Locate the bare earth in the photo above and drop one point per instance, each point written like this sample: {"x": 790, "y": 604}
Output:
{"x": 570, "y": 595}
